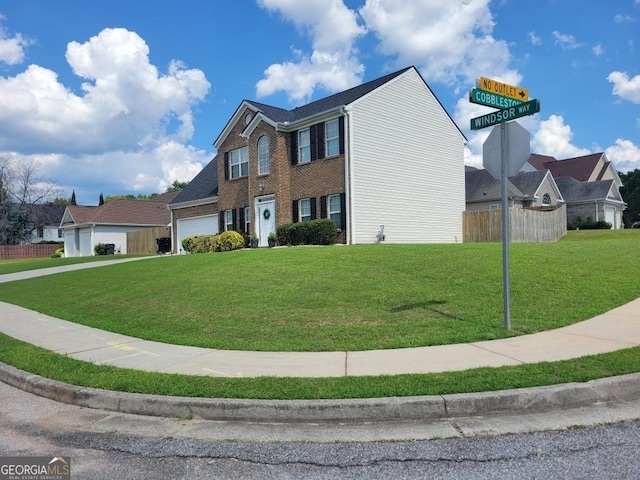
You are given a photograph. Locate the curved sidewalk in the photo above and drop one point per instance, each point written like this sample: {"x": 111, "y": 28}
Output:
{"x": 614, "y": 330}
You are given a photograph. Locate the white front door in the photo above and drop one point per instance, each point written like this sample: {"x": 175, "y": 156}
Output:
{"x": 265, "y": 218}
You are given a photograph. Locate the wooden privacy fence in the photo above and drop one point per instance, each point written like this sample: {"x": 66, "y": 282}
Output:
{"x": 33, "y": 250}
{"x": 525, "y": 225}
{"x": 143, "y": 241}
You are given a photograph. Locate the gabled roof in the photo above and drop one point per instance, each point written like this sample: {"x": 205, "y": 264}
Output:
{"x": 580, "y": 168}
{"x": 203, "y": 186}
{"x": 480, "y": 186}
{"x": 120, "y": 211}
{"x": 539, "y": 161}
{"x": 529, "y": 182}
{"x": 42, "y": 214}
{"x": 576, "y": 191}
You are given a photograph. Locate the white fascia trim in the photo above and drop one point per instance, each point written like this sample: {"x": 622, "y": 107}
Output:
{"x": 231, "y": 123}
{"x": 259, "y": 117}
{"x": 193, "y": 203}
{"x": 308, "y": 121}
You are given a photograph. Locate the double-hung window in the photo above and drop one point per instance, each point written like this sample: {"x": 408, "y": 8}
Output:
{"x": 239, "y": 162}
{"x": 247, "y": 219}
{"x": 228, "y": 220}
{"x": 304, "y": 146}
{"x": 331, "y": 138}
{"x": 305, "y": 210}
{"x": 335, "y": 211}
{"x": 263, "y": 155}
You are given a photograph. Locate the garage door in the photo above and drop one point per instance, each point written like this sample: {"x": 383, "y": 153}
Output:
{"x": 206, "y": 225}
{"x": 85, "y": 243}
{"x": 609, "y": 216}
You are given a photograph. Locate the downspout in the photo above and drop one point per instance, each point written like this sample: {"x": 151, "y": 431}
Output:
{"x": 348, "y": 175}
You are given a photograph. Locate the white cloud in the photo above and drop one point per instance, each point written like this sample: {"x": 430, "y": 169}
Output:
{"x": 597, "y": 50}
{"x": 619, "y": 18}
{"x": 12, "y": 47}
{"x": 333, "y": 64}
{"x": 565, "y": 41}
{"x": 624, "y": 154}
{"x": 553, "y": 138}
{"x": 624, "y": 87}
{"x": 451, "y": 41}
{"x": 125, "y": 131}
{"x": 534, "y": 39}
{"x": 125, "y": 100}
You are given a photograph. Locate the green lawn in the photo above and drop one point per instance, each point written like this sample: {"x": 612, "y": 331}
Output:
{"x": 338, "y": 297}
{"x": 21, "y": 265}
{"x": 345, "y": 298}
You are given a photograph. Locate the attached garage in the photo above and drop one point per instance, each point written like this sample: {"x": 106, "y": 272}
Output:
{"x": 187, "y": 227}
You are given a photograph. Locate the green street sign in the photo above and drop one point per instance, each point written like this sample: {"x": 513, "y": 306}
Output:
{"x": 482, "y": 97}
{"x": 506, "y": 114}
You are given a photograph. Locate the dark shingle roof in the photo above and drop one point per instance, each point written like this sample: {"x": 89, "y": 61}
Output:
{"x": 324, "y": 104}
{"x": 480, "y": 186}
{"x": 539, "y": 161}
{"x": 42, "y": 215}
{"x": 528, "y": 182}
{"x": 574, "y": 191}
{"x": 203, "y": 185}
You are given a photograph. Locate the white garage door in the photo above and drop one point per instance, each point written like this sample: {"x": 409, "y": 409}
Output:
{"x": 609, "y": 216}
{"x": 206, "y": 225}
{"x": 85, "y": 243}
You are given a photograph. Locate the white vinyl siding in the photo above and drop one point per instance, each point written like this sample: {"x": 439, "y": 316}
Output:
{"x": 407, "y": 164}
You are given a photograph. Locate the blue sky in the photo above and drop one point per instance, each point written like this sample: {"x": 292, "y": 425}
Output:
{"x": 127, "y": 96}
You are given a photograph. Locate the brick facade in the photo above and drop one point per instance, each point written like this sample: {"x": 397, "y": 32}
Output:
{"x": 285, "y": 181}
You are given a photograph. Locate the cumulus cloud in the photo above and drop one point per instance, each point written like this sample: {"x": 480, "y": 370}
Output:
{"x": 565, "y": 41}
{"x": 597, "y": 49}
{"x": 451, "y": 41}
{"x": 332, "y": 65}
{"x": 624, "y": 154}
{"x": 12, "y": 48}
{"x": 534, "y": 39}
{"x": 129, "y": 121}
{"x": 624, "y": 87}
{"x": 553, "y": 138}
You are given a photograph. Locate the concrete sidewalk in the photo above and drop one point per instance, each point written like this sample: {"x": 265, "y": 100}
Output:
{"x": 614, "y": 330}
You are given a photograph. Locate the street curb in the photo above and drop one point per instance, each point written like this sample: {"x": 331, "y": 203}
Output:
{"x": 525, "y": 400}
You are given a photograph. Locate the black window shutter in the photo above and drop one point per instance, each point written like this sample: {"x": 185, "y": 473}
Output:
{"x": 294, "y": 211}
{"x": 320, "y": 140}
{"x": 294, "y": 147}
{"x": 323, "y": 207}
{"x": 313, "y": 141}
{"x": 234, "y": 225}
{"x": 226, "y": 165}
{"x": 341, "y": 134}
{"x": 314, "y": 211}
{"x": 221, "y": 223}
{"x": 343, "y": 211}
{"x": 241, "y": 222}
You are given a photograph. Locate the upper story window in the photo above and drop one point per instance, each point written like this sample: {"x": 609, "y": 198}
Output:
{"x": 332, "y": 138}
{"x": 304, "y": 146}
{"x": 263, "y": 155}
{"x": 239, "y": 163}
{"x": 546, "y": 199}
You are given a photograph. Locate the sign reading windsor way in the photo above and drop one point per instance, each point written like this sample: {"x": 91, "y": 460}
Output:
{"x": 505, "y": 151}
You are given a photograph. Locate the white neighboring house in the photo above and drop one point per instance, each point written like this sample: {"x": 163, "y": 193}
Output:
{"x": 85, "y": 227}
{"x": 46, "y": 221}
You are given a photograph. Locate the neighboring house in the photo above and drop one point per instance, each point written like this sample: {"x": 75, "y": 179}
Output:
{"x": 85, "y": 227}
{"x": 590, "y": 185}
{"x": 535, "y": 189}
{"x": 46, "y": 220}
{"x": 384, "y": 154}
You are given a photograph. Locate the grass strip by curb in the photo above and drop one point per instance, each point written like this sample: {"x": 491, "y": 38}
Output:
{"x": 48, "y": 364}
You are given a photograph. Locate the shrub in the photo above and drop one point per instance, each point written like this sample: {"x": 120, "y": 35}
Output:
{"x": 198, "y": 244}
{"x": 58, "y": 253}
{"x": 589, "y": 224}
{"x": 100, "y": 249}
{"x": 227, "y": 241}
{"x": 316, "y": 232}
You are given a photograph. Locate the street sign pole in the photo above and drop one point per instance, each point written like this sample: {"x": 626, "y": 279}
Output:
{"x": 506, "y": 290}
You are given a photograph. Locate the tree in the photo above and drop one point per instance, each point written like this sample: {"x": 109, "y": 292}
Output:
{"x": 20, "y": 187}
{"x": 72, "y": 201}
{"x": 631, "y": 195}
{"x": 176, "y": 185}
{"x": 101, "y": 199}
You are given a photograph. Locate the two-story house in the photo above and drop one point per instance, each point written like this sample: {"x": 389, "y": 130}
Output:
{"x": 384, "y": 155}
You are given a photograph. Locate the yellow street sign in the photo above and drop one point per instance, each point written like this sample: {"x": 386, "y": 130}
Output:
{"x": 503, "y": 89}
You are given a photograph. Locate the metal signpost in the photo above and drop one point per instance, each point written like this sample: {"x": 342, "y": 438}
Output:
{"x": 513, "y": 143}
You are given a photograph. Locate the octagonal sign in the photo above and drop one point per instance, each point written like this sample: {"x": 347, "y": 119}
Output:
{"x": 517, "y": 151}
